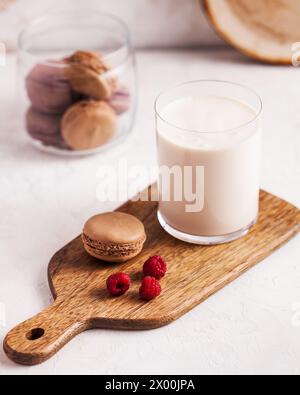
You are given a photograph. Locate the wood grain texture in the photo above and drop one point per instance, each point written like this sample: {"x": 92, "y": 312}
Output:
{"x": 275, "y": 22}
{"x": 77, "y": 281}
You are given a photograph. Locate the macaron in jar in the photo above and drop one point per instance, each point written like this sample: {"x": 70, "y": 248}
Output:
{"x": 78, "y": 82}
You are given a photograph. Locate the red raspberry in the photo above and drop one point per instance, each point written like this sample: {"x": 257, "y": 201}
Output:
{"x": 118, "y": 284}
{"x": 155, "y": 267}
{"x": 150, "y": 288}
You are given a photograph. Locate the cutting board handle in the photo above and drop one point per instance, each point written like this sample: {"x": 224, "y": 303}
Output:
{"x": 38, "y": 339}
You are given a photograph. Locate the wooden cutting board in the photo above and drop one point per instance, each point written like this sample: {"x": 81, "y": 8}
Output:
{"x": 77, "y": 281}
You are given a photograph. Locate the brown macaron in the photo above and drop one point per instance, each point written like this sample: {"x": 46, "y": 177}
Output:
{"x": 88, "y": 124}
{"x": 114, "y": 237}
{"x": 85, "y": 75}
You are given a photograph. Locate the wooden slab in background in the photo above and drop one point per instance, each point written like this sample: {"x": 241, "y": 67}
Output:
{"x": 78, "y": 281}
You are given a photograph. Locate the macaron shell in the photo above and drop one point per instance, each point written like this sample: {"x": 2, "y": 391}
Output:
{"x": 88, "y": 125}
{"x": 89, "y": 59}
{"x": 48, "y": 89}
{"x": 88, "y": 82}
{"x": 115, "y": 228}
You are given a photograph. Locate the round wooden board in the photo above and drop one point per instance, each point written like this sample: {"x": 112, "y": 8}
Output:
{"x": 264, "y": 30}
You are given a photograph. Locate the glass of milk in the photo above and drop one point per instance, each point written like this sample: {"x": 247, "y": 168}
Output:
{"x": 209, "y": 153}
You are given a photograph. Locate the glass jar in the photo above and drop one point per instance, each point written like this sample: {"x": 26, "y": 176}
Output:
{"x": 78, "y": 82}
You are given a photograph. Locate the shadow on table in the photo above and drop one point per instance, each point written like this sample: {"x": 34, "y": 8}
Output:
{"x": 220, "y": 54}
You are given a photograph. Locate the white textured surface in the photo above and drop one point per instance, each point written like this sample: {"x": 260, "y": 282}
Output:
{"x": 152, "y": 22}
{"x": 250, "y": 327}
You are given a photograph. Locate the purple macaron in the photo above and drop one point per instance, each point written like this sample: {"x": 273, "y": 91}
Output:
{"x": 48, "y": 88}
{"x": 120, "y": 100}
{"x": 45, "y": 128}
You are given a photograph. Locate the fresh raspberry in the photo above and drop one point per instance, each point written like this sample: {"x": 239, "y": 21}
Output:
{"x": 155, "y": 267}
{"x": 150, "y": 288}
{"x": 118, "y": 284}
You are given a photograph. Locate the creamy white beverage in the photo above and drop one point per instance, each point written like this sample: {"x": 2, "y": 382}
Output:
{"x": 221, "y": 136}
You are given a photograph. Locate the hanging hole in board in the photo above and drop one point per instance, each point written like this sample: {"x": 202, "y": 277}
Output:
{"x": 35, "y": 334}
